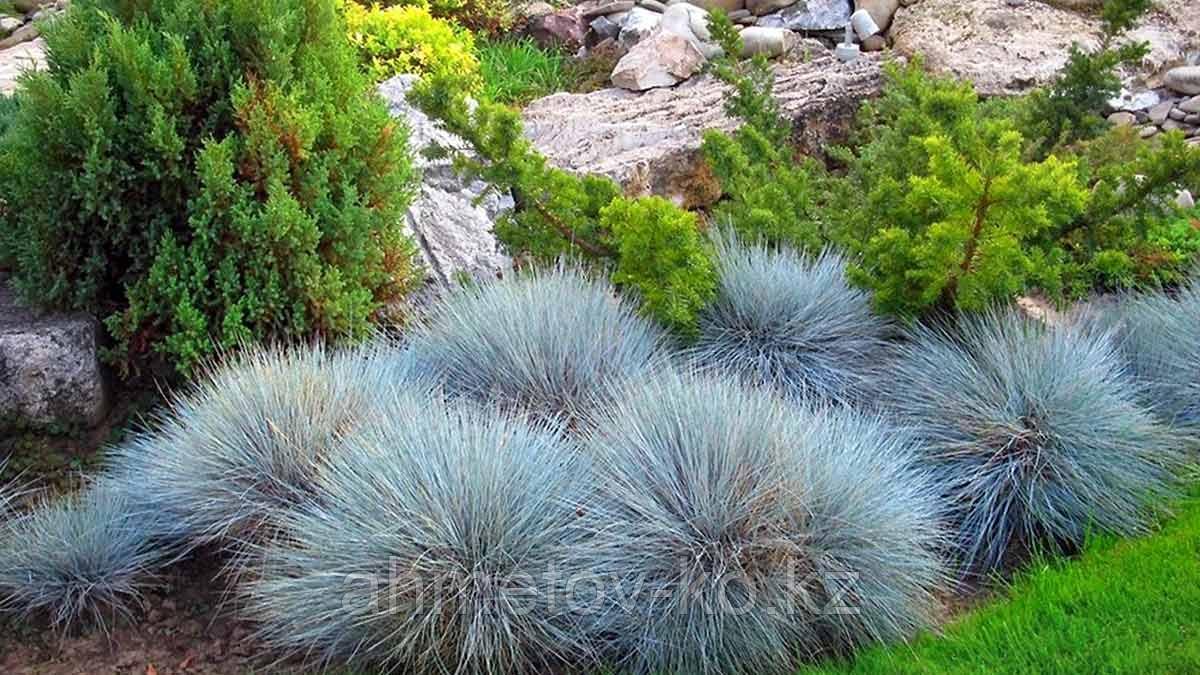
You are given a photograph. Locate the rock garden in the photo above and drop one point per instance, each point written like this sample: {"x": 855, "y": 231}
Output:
{"x": 623, "y": 336}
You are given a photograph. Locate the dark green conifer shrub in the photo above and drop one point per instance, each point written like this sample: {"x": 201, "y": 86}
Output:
{"x": 771, "y": 196}
{"x": 1069, "y": 109}
{"x": 204, "y": 174}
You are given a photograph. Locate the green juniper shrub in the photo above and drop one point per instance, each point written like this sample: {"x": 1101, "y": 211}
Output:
{"x": 1068, "y": 109}
{"x": 770, "y": 196}
{"x": 940, "y": 206}
{"x": 1133, "y": 235}
{"x": 652, "y": 248}
{"x": 204, "y": 174}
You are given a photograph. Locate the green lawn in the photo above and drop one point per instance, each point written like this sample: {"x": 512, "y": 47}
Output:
{"x": 1129, "y": 606}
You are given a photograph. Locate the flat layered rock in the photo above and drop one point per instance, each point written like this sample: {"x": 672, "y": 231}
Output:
{"x": 16, "y": 60}
{"x": 649, "y": 141}
{"x": 1008, "y": 49}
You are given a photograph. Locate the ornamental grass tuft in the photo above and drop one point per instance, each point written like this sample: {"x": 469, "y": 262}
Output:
{"x": 736, "y": 533}
{"x": 1159, "y": 336}
{"x": 437, "y": 543}
{"x": 547, "y": 344}
{"x": 86, "y": 559}
{"x": 789, "y": 321}
{"x": 1034, "y": 433}
{"x": 253, "y": 434}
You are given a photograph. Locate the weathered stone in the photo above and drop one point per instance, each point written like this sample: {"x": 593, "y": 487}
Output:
{"x": 564, "y": 28}
{"x": 881, "y": 11}
{"x": 1122, "y": 119}
{"x": 1184, "y": 200}
{"x": 638, "y": 25}
{"x": 1192, "y": 118}
{"x": 448, "y": 221}
{"x": 1158, "y": 114}
{"x": 769, "y": 42}
{"x": 740, "y": 14}
{"x": 1148, "y": 131}
{"x": 650, "y": 142}
{"x": 691, "y": 23}
{"x": 602, "y": 28}
{"x": 1001, "y": 49}
{"x": 761, "y": 7}
{"x": 653, "y": 6}
{"x": 604, "y": 8}
{"x": 29, "y": 6}
{"x": 1184, "y": 79}
{"x": 1177, "y": 115}
{"x": 1173, "y": 125}
{"x": 16, "y": 60}
{"x": 810, "y": 15}
{"x": 1135, "y": 100}
{"x": 49, "y": 369}
{"x": 9, "y": 23}
{"x": 662, "y": 60}
{"x": 864, "y": 24}
{"x": 27, "y": 33}
{"x": 1191, "y": 105}
{"x": 875, "y": 43}
{"x": 723, "y": 5}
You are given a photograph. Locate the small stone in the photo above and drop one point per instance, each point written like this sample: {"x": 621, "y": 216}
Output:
{"x": 1177, "y": 114}
{"x": 740, "y": 14}
{"x": 10, "y": 23}
{"x": 769, "y": 42}
{"x": 1148, "y": 131}
{"x": 875, "y": 43}
{"x": 564, "y": 28}
{"x": 723, "y": 5}
{"x": 761, "y": 7}
{"x": 638, "y": 25}
{"x": 746, "y": 21}
{"x": 25, "y": 33}
{"x": 653, "y": 6}
{"x": 881, "y": 11}
{"x": 1191, "y": 105}
{"x": 811, "y": 15}
{"x": 1184, "y": 79}
{"x": 1184, "y": 200}
{"x": 691, "y": 23}
{"x": 1194, "y": 118}
{"x": 1135, "y": 101}
{"x": 663, "y": 60}
{"x": 847, "y": 53}
{"x": 864, "y": 25}
{"x": 1158, "y": 114}
{"x": 1122, "y": 119}
{"x": 1173, "y": 125}
{"x": 603, "y": 28}
{"x": 608, "y": 8}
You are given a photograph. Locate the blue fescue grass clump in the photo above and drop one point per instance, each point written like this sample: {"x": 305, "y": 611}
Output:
{"x": 789, "y": 321}
{"x": 437, "y": 543}
{"x": 1159, "y": 336}
{"x": 252, "y": 435}
{"x": 547, "y": 343}
{"x": 736, "y": 533}
{"x": 1034, "y": 433}
{"x": 84, "y": 559}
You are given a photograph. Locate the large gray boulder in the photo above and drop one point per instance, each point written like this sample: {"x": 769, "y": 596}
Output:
{"x": 649, "y": 141}
{"x": 50, "y": 372}
{"x": 450, "y": 220}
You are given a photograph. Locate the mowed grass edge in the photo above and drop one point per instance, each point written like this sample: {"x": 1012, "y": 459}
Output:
{"x": 1124, "y": 606}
